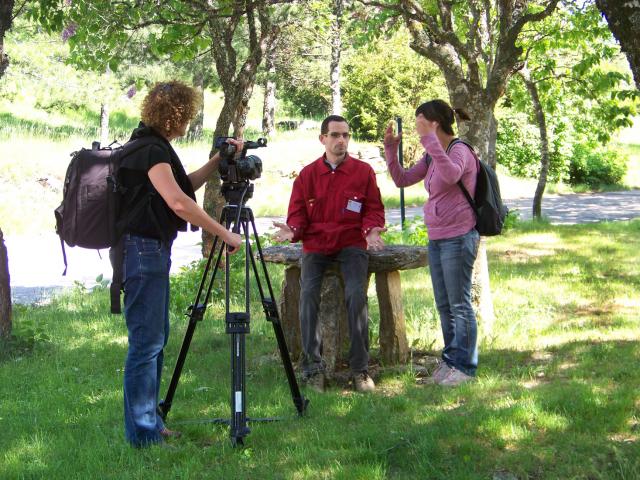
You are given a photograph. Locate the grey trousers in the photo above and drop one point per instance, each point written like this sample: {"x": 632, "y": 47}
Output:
{"x": 353, "y": 263}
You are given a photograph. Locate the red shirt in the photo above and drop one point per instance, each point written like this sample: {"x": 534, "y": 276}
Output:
{"x": 333, "y": 209}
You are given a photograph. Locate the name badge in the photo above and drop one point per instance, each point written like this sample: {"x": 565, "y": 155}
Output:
{"x": 354, "y": 206}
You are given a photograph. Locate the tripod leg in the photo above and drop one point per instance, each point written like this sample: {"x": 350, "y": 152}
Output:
{"x": 195, "y": 314}
{"x": 271, "y": 312}
{"x": 238, "y": 325}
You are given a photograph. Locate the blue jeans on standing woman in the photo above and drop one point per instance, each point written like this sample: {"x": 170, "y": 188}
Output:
{"x": 451, "y": 265}
{"x": 146, "y": 310}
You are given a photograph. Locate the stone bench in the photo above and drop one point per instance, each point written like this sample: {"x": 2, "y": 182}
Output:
{"x": 386, "y": 266}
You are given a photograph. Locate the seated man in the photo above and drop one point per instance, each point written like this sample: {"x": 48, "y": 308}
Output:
{"x": 337, "y": 212}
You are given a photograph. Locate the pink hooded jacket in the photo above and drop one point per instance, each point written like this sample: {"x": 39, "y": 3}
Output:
{"x": 447, "y": 212}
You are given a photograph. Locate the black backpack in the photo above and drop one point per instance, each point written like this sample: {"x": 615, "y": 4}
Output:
{"x": 89, "y": 215}
{"x": 487, "y": 202}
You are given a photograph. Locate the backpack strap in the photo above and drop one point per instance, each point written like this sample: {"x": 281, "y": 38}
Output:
{"x": 116, "y": 256}
{"x": 64, "y": 256}
{"x": 460, "y": 184}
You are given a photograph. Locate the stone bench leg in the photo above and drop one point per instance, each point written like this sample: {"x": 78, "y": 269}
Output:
{"x": 393, "y": 338}
{"x": 332, "y": 316}
{"x": 288, "y": 305}
{"x": 333, "y": 321}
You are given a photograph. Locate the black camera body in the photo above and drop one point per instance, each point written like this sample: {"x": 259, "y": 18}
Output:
{"x": 241, "y": 169}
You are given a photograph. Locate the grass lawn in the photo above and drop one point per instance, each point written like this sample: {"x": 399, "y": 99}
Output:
{"x": 557, "y": 392}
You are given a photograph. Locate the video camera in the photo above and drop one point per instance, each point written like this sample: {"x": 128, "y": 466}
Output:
{"x": 243, "y": 168}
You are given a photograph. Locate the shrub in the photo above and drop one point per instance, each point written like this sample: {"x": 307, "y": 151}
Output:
{"x": 385, "y": 81}
{"x": 518, "y": 149}
{"x": 596, "y": 166}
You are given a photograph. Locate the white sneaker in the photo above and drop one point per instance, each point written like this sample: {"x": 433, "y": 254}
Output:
{"x": 454, "y": 378}
{"x": 363, "y": 383}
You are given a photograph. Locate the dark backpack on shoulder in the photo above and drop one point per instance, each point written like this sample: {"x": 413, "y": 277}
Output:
{"x": 487, "y": 202}
{"x": 89, "y": 215}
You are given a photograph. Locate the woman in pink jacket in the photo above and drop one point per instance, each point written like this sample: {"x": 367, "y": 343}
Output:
{"x": 453, "y": 240}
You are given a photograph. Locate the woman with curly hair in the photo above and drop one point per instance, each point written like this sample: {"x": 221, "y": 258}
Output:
{"x": 161, "y": 196}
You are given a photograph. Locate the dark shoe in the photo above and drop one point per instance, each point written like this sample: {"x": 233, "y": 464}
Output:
{"x": 363, "y": 383}
{"x": 315, "y": 381}
{"x": 167, "y": 434}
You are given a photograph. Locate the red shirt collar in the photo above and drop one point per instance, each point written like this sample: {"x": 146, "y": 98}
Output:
{"x": 346, "y": 166}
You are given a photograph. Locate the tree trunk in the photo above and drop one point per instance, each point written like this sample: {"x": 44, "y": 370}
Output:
{"x": 481, "y": 291}
{"x": 336, "y": 51}
{"x": 481, "y": 130}
{"x": 544, "y": 143}
{"x": 269, "y": 106}
{"x": 237, "y": 93}
{"x": 492, "y": 158}
{"x": 196, "y": 125}
{"x": 104, "y": 109}
{"x": 213, "y": 199}
{"x": 237, "y": 85}
{"x": 5, "y": 291}
{"x": 623, "y": 18}
{"x": 6, "y": 19}
{"x": 104, "y": 124}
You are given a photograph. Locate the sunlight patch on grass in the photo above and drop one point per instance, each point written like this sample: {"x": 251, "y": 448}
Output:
{"x": 628, "y": 303}
{"x": 29, "y": 452}
{"x": 391, "y": 387}
{"x": 548, "y": 239}
{"x": 119, "y": 340}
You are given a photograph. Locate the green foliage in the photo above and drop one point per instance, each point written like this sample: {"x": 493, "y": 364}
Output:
{"x": 386, "y": 80}
{"x": 302, "y": 68}
{"x": 596, "y": 166}
{"x": 585, "y": 162}
{"x": 584, "y": 89}
{"x": 518, "y": 149}
{"x": 413, "y": 233}
{"x": 511, "y": 221}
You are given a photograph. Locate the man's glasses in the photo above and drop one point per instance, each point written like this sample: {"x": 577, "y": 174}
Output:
{"x": 336, "y": 135}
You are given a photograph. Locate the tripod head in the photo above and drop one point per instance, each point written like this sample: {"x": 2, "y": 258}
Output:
{"x": 237, "y": 193}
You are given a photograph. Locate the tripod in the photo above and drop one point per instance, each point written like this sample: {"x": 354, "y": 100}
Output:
{"x": 237, "y": 323}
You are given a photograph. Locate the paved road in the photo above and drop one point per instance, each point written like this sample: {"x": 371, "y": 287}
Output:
{"x": 35, "y": 262}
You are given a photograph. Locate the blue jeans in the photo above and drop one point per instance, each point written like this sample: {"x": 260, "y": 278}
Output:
{"x": 451, "y": 265}
{"x": 354, "y": 263}
{"x": 146, "y": 310}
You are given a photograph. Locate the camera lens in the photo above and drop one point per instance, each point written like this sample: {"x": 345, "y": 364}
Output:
{"x": 250, "y": 167}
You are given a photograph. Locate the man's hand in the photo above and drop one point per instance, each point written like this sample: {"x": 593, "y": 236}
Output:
{"x": 389, "y": 137}
{"x": 284, "y": 232}
{"x": 374, "y": 242}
